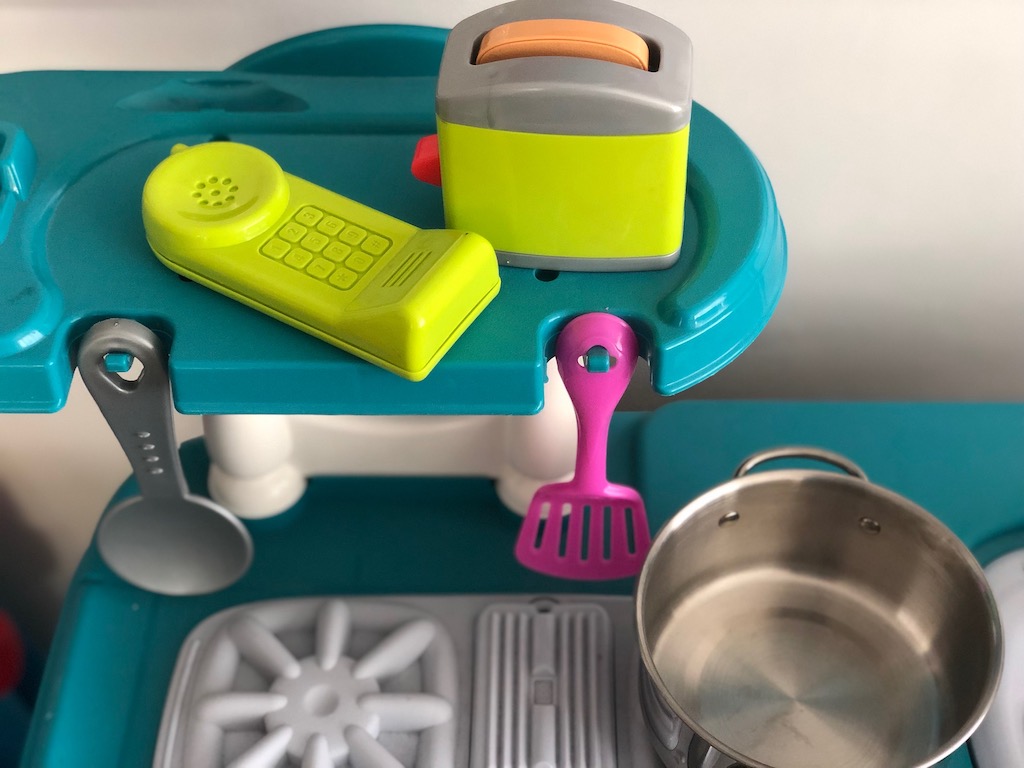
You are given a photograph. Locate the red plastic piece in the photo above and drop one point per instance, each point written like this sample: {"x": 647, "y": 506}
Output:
{"x": 426, "y": 161}
{"x": 12, "y": 655}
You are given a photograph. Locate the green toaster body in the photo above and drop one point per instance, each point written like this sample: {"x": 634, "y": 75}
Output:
{"x": 565, "y": 162}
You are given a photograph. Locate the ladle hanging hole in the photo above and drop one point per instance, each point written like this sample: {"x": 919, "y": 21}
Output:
{"x": 124, "y": 364}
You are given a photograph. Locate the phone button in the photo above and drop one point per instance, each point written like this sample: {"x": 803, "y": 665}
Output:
{"x": 298, "y": 258}
{"x": 275, "y": 248}
{"x": 343, "y": 278}
{"x": 315, "y": 242}
{"x": 375, "y": 245}
{"x": 320, "y": 268}
{"x": 359, "y": 261}
{"x": 331, "y": 225}
{"x": 337, "y": 251}
{"x": 352, "y": 235}
{"x": 292, "y": 232}
{"x": 309, "y": 216}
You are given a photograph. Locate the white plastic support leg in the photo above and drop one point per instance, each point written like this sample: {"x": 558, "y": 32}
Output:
{"x": 259, "y": 464}
{"x": 252, "y": 467}
{"x": 539, "y": 449}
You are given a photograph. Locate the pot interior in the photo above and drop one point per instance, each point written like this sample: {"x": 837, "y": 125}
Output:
{"x": 799, "y": 619}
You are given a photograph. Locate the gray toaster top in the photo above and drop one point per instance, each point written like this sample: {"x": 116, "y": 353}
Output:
{"x": 562, "y": 94}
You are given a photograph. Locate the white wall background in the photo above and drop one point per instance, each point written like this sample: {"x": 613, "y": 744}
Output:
{"x": 891, "y": 129}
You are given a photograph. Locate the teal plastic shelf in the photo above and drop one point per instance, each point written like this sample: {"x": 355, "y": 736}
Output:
{"x": 115, "y": 648}
{"x": 343, "y": 108}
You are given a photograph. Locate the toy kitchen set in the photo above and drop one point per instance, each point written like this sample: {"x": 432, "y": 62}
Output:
{"x": 406, "y": 275}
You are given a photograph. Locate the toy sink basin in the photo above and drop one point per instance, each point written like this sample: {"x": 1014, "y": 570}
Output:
{"x": 563, "y": 161}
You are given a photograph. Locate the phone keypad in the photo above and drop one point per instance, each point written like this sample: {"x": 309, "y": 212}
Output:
{"x": 326, "y": 248}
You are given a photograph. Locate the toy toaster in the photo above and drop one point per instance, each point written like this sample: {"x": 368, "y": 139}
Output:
{"x": 563, "y": 131}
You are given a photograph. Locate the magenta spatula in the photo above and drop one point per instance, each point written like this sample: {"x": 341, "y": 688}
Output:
{"x": 588, "y": 528}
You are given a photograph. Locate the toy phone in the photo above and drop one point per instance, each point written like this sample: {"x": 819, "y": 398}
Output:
{"x": 228, "y": 217}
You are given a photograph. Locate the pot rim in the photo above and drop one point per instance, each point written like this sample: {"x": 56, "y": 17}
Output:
{"x": 795, "y": 476}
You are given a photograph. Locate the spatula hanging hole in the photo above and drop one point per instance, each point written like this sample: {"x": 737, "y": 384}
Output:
{"x": 599, "y": 360}
{"x": 630, "y": 532}
{"x": 596, "y": 360}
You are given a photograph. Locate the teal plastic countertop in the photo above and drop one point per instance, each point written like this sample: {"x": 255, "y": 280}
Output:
{"x": 116, "y": 646}
{"x": 343, "y": 108}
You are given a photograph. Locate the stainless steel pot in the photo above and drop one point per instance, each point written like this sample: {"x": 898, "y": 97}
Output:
{"x": 800, "y": 618}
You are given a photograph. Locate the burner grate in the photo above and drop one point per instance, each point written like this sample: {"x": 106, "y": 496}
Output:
{"x": 313, "y": 683}
{"x": 544, "y": 687}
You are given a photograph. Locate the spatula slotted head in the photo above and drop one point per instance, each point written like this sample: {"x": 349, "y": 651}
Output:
{"x": 584, "y": 537}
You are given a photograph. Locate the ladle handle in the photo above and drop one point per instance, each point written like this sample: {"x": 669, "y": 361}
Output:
{"x": 800, "y": 452}
{"x": 138, "y": 411}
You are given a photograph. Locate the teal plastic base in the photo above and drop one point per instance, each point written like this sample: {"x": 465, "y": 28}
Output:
{"x": 330, "y": 111}
{"x": 115, "y": 648}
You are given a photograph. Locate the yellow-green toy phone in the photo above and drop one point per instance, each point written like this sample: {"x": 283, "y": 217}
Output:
{"x": 225, "y": 215}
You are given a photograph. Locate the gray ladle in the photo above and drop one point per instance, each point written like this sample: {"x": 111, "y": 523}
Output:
{"x": 165, "y": 540}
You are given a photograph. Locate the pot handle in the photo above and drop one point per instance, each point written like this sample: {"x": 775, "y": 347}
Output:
{"x": 800, "y": 452}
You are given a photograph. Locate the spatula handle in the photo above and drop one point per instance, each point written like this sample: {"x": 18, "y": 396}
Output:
{"x": 595, "y": 392}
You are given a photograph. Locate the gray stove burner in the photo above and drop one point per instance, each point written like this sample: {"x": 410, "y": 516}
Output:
{"x": 409, "y": 682}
